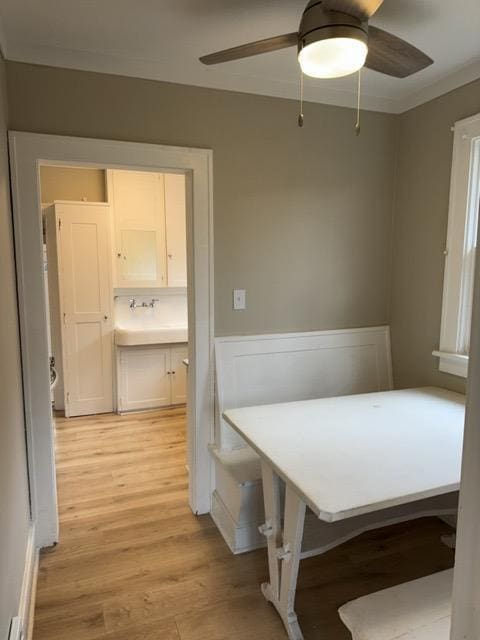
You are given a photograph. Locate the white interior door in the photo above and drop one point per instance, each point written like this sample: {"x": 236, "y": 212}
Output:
{"x": 85, "y": 291}
{"x": 175, "y": 219}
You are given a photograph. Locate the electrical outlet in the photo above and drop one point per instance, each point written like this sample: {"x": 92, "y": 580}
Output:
{"x": 239, "y": 299}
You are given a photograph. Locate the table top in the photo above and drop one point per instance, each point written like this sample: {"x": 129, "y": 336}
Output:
{"x": 356, "y": 454}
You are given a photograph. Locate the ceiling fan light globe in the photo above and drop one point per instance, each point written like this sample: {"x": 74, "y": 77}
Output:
{"x": 332, "y": 57}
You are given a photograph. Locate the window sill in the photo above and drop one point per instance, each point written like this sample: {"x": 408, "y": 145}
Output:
{"x": 453, "y": 363}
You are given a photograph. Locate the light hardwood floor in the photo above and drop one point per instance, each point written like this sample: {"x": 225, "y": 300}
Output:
{"x": 133, "y": 563}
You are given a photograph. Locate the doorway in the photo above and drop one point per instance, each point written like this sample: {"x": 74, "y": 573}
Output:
{"x": 28, "y": 153}
{"x": 116, "y": 265}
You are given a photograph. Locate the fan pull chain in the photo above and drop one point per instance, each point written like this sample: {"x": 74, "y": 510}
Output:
{"x": 300, "y": 115}
{"x": 359, "y": 90}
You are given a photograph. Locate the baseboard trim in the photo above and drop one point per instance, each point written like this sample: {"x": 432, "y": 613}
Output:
{"x": 29, "y": 585}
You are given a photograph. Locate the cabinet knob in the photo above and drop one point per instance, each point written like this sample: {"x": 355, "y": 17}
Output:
{"x": 173, "y": 373}
{"x": 170, "y": 255}
{"x": 105, "y": 317}
{"x": 119, "y": 255}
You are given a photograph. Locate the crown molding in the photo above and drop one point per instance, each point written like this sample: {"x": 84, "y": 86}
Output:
{"x": 463, "y": 75}
{"x": 216, "y": 79}
{"x": 200, "y": 76}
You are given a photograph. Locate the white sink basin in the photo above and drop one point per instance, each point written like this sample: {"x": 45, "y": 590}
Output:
{"x": 131, "y": 336}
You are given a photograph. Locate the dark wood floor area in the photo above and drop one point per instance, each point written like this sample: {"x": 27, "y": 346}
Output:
{"x": 133, "y": 563}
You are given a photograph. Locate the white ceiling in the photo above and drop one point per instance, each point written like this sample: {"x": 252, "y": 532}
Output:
{"x": 162, "y": 39}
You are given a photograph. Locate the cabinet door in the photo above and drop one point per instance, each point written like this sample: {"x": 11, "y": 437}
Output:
{"x": 85, "y": 307}
{"x": 139, "y": 219}
{"x": 175, "y": 217}
{"x": 179, "y": 374}
{"x": 138, "y": 256}
{"x": 138, "y": 197}
{"x": 145, "y": 379}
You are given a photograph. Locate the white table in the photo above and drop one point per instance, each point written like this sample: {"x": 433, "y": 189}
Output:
{"x": 343, "y": 457}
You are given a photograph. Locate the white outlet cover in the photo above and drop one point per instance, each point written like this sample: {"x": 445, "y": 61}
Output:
{"x": 239, "y": 299}
{"x": 16, "y": 631}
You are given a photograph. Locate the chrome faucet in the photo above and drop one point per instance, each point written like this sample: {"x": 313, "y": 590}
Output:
{"x": 134, "y": 305}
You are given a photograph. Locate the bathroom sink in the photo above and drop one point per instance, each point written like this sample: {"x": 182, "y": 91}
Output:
{"x": 131, "y": 336}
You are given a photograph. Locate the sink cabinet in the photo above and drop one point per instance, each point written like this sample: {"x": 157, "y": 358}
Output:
{"x": 151, "y": 376}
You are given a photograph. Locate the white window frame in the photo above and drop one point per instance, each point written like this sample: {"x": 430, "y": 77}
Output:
{"x": 460, "y": 248}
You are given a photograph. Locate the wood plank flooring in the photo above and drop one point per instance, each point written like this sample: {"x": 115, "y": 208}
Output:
{"x": 133, "y": 563}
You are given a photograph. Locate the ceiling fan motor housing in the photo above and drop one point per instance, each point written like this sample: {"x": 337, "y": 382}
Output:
{"x": 318, "y": 24}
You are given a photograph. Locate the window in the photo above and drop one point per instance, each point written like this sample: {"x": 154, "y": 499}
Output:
{"x": 461, "y": 248}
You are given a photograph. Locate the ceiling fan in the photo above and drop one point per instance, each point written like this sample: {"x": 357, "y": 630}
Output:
{"x": 335, "y": 39}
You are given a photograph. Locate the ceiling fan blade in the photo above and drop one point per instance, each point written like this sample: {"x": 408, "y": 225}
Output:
{"x": 363, "y": 9}
{"x": 252, "y": 49}
{"x": 393, "y": 56}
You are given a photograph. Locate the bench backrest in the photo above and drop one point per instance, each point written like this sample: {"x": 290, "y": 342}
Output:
{"x": 264, "y": 369}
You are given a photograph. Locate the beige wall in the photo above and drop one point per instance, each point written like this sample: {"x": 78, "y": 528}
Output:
{"x": 302, "y": 216}
{"x": 72, "y": 183}
{"x": 14, "y": 506}
{"x": 423, "y": 184}
{"x": 303, "y": 221}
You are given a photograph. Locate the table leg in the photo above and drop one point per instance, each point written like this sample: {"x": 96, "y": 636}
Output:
{"x": 294, "y": 520}
{"x": 272, "y": 531}
{"x": 284, "y": 549}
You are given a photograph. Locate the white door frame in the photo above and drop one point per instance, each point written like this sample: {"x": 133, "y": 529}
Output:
{"x": 27, "y": 152}
{"x": 466, "y": 581}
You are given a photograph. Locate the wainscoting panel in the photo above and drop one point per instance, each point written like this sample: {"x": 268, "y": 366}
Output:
{"x": 265, "y": 369}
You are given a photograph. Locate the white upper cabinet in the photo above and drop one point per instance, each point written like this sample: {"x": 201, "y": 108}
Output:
{"x": 149, "y": 229}
{"x": 138, "y": 199}
{"x": 139, "y": 228}
{"x": 175, "y": 217}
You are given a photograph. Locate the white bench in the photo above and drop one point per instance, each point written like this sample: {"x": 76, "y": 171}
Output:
{"x": 264, "y": 369}
{"x": 253, "y": 370}
{"x": 417, "y": 610}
